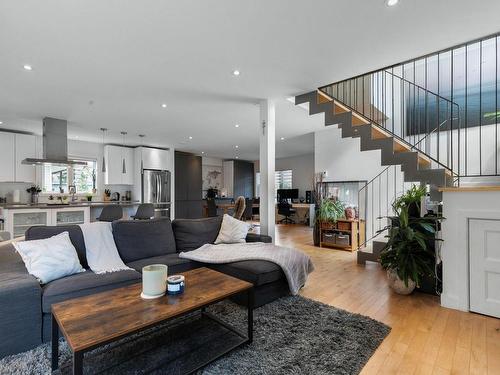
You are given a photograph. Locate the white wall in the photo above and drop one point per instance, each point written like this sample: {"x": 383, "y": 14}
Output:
{"x": 341, "y": 157}
{"x": 302, "y": 167}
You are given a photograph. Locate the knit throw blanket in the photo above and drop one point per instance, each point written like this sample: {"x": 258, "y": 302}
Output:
{"x": 102, "y": 254}
{"x": 295, "y": 264}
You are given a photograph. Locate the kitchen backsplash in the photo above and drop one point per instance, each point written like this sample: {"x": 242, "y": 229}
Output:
{"x": 7, "y": 190}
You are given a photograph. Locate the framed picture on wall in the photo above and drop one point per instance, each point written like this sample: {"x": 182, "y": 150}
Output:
{"x": 212, "y": 177}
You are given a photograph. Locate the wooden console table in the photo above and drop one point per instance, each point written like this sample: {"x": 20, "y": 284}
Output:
{"x": 345, "y": 234}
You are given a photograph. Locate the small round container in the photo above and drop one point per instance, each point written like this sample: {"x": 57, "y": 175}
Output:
{"x": 175, "y": 285}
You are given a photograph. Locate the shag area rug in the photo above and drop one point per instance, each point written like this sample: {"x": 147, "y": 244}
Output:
{"x": 293, "y": 335}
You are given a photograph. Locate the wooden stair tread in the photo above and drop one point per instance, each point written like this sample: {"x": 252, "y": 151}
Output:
{"x": 377, "y": 132}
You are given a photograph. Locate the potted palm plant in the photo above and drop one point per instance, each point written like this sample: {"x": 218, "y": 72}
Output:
{"x": 409, "y": 254}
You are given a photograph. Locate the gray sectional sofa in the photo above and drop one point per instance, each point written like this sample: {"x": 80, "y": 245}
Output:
{"x": 25, "y": 304}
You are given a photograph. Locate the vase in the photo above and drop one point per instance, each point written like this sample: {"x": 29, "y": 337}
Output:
{"x": 398, "y": 285}
{"x": 34, "y": 198}
{"x": 350, "y": 214}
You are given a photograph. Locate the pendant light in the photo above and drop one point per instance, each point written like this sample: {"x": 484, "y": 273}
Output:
{"x": 103, "y": 130}
{"x": 124, "y": 169}
{"x": 142, "y": 147}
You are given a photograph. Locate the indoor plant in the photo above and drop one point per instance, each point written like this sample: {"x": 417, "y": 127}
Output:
{"x": 412, "y": 200}
{"x": 408, "y": 255}
{"x": 329, "y": 212}
{"x": 34, "y": 190}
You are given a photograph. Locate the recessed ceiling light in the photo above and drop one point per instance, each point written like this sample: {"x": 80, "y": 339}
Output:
{"x": 190, "y": 137}
{"x": 236, "y": 146}
{"x": 237, "y": 157}
{"x": 28, "y": 67}
{"x": 1, "y": 122}
{"x": 236, "y": 72}
{"x": 237, "y": 125}
{"x": 203, "y": 152}
{"x": 282, "y": 138}
{"x": 164, "y": 105}
{"x": 391, "y": 3}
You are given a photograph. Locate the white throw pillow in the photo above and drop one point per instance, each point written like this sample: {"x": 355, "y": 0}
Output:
{"x": 232, "y": 230}
{"x": 51, "y": 258}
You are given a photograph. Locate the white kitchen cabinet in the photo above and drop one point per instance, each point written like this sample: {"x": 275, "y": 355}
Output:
{"x": 114, "y": 157}
{"x": 70, "y": 215}
{"x": 7, "y": 164}
{"x": 15, "y": 148}
{"x": 128, "y": 156}
{"x": 18, "y": 220}
{"x": 154, "y": 158}
{"x": 26, "y": 147}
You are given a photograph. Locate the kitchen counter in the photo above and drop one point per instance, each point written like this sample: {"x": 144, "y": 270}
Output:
{"x": 12, "y": 206}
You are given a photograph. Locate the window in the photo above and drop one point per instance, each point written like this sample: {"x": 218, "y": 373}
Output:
{"x": 58, "y": 179}
{"x": 282, "y": 180}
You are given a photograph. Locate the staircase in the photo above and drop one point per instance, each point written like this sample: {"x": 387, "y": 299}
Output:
{"x": 411, "y": 126}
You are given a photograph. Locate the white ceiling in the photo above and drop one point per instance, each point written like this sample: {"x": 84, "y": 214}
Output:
{"x": 129, "y": 57}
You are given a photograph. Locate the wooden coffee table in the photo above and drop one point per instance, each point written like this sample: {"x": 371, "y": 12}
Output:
{"x": 93, "y": 321}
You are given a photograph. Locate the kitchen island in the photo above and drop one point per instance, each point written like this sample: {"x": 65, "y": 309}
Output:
{"x": 19, "y": 217}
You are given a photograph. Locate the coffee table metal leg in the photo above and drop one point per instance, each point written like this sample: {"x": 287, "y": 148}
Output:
{"x": 250, "y": 303}
{"x": 78, "y": 363}
{"x": 55, "y": 344}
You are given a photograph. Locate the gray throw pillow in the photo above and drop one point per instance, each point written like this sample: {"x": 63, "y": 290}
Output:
{"x": 190, "y": 234}
{"x": 140, "y": 239}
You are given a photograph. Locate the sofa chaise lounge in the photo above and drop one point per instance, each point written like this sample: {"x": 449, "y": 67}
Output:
{"x": 25, "y": 305}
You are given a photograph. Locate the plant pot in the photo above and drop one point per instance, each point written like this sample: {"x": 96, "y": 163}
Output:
{"x": 414, "y": 209}
{"x": 316, "y": 235}
{"x": 398, "y": 285}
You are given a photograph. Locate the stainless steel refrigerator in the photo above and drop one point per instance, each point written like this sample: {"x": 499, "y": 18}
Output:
{"x": 156, "y": 190}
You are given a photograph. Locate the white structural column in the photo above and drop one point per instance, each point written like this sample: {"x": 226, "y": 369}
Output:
{"x": 267, "y": 158}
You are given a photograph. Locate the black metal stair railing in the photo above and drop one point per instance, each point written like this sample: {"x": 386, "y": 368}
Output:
{"x": 422, "y": 120}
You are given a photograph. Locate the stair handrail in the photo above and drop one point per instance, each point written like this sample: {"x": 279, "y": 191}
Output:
{"x": 323, "y": 90}
{"x": 392, "y": 74}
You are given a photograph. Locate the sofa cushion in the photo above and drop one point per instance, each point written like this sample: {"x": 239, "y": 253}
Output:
{"x": 174, "y": 263}
{"x": 83, "y": 284}
{"x": 138, "y": 239}
{"x": 75, "y": 235}
{"x": 258, "y": 272}
{"x": 190, "y": 234}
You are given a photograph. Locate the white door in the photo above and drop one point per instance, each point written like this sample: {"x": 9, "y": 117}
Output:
{"x": 25, "y": 148}
{"x": 7, "y": 160}
{"x": 484, "y": 261}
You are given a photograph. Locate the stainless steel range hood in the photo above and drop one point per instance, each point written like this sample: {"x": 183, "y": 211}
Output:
{"x": 55, "y": 144}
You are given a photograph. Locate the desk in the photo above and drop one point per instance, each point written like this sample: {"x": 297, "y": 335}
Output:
{"x": 300, "y": 207}
{"x": 225, "y": 207}
{"x": 303, "y": 210}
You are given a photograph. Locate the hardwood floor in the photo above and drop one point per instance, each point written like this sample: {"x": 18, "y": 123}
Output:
{"x": 425, "y": 338}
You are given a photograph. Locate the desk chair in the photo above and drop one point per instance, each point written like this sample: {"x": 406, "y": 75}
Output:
{"x": 285, "y": 209}
{"x": 247, "y": 215}
{"x": 239, "y": 208}
{"x": 211, "y": 207}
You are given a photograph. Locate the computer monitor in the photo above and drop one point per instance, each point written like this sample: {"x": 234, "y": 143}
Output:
{"x": 286, "y": 194}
